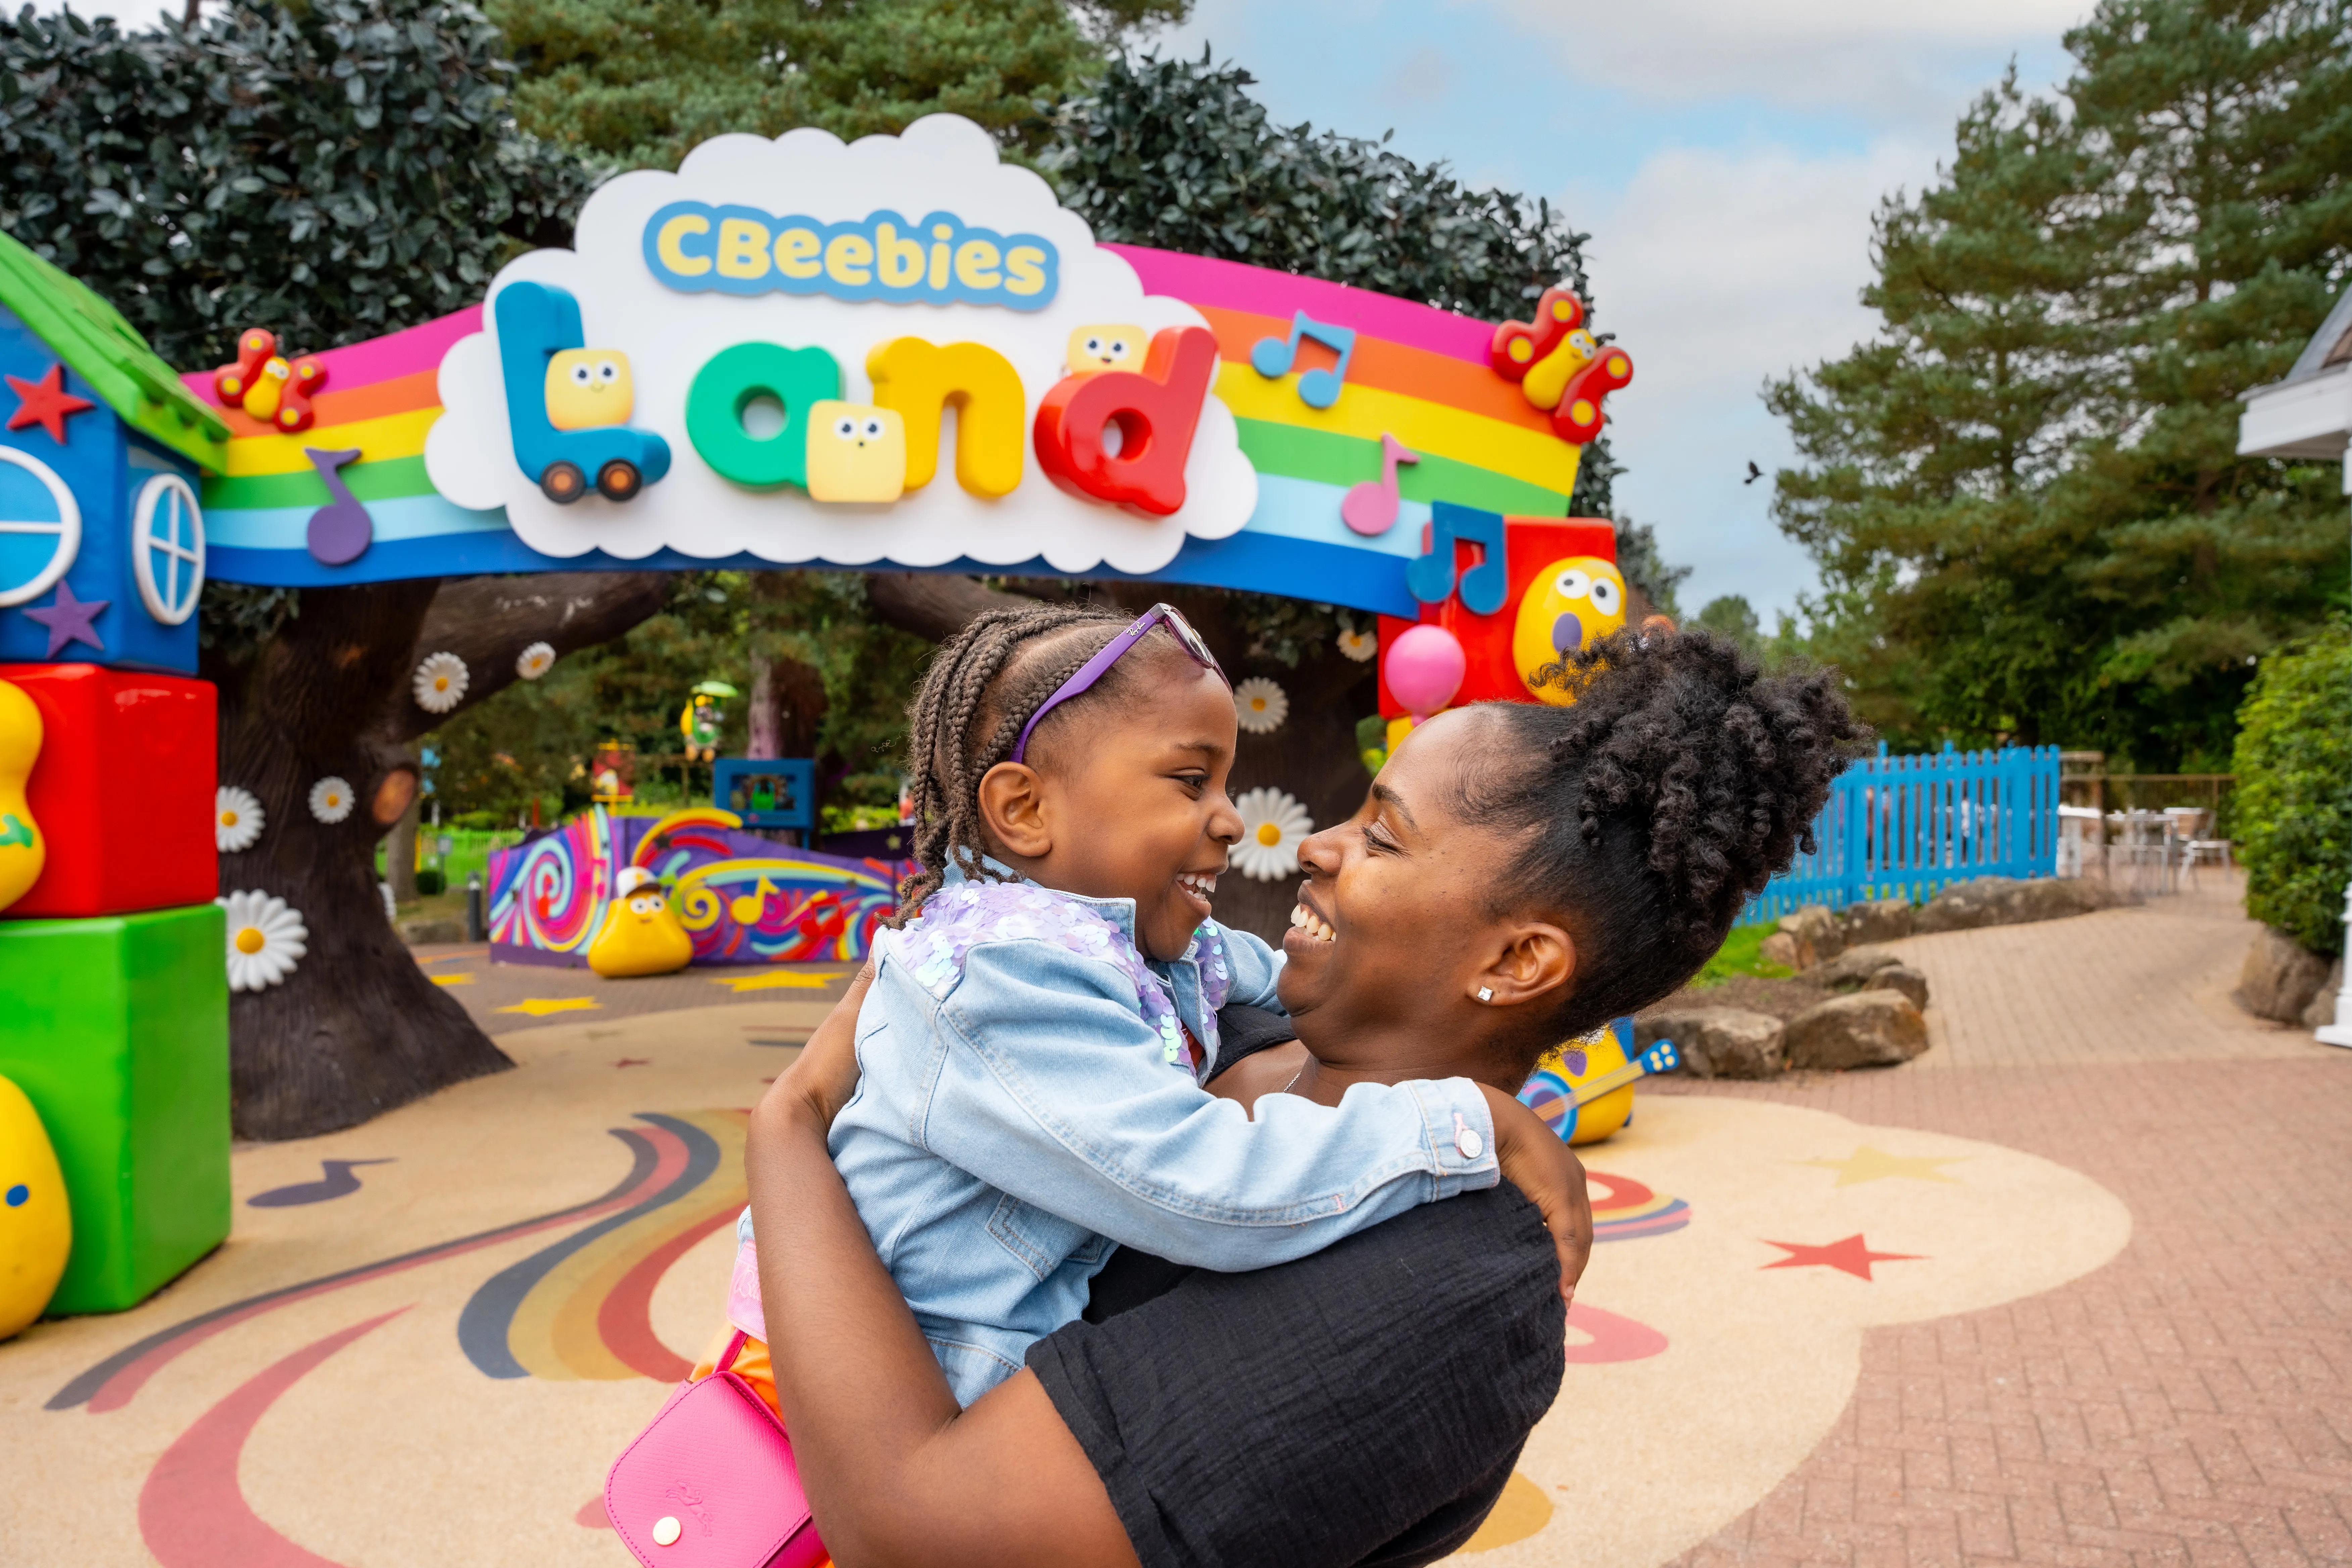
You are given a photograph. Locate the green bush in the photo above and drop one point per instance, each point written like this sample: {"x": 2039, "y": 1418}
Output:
{"x": 429, "y": 881}
{"x": 2294, "y": 805}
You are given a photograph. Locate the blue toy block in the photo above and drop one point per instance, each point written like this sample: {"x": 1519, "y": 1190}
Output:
{"x": 70, "y": 511}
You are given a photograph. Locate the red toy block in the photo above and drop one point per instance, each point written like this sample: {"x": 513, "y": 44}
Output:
{"x": 1529, "y": 544}
{"x": 122, "y": 790}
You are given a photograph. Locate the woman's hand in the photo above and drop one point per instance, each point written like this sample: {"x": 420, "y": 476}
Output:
{"x": 824, "y": 1075}
{"x": 1534, "y": 1159}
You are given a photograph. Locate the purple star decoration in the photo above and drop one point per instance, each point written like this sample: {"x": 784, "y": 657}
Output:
{"x": 68, "y": 620}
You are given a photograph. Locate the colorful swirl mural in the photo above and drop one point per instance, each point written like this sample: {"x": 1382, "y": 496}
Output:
{"x": 741, "y": 898}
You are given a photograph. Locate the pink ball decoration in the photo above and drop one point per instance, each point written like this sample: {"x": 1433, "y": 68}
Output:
{"x": 1424, "y": 669}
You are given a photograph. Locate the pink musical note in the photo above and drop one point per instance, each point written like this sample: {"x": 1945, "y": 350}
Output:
{"x": 1371, "y": 507}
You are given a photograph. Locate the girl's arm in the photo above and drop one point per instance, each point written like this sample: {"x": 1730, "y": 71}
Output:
{"x": 897, "y": 1475}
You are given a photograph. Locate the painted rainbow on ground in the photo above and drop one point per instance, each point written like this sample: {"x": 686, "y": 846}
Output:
{"x": 1418, "y": 373}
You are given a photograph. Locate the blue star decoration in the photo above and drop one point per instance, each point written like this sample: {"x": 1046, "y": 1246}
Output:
{"x": 68, "y": 620}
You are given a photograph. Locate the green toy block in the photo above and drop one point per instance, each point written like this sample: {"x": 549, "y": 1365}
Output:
{"x": 117, "y": 1030}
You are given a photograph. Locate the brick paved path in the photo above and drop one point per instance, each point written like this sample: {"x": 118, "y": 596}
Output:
{"x": 2189, "y": 1404}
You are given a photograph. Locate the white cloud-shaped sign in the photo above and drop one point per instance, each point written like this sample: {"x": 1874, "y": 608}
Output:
{"x": 804, "y": 243}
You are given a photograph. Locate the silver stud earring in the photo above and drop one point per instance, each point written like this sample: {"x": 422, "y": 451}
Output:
{"x": 1486, "y": 994}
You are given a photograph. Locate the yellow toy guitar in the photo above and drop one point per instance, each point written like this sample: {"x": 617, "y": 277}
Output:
{"x": 1563, "y": 1097}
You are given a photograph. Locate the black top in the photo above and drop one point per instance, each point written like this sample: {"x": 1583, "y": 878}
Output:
{"x": 1362, "y": 1406}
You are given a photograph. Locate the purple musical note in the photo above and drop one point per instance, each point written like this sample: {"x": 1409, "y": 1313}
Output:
{"x": 1371, "y": 507}
{"x": 342, "y": 530}
{"x": 1486, "y": 585}
{"x": 1319, "y": 388}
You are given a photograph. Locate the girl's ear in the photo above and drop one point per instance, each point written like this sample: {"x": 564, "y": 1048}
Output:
{"x": 1537, "y": 960}
{"x": 1013, "y": 810}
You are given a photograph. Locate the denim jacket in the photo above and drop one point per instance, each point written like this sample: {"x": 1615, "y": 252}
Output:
{"x": 1025, "y": 1102}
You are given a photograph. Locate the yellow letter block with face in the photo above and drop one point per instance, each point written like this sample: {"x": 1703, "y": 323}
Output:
{"x": 1573, "y": 604}
{"x": 36, "y": 1224}
{"x": 855, "y": 452}
{"x": 23, "y": 852}
{"x": 588, "y": 388}
{"x": 918, "y": 379}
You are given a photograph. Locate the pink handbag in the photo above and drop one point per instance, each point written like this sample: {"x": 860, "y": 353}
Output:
{"x": 711, "y": 1483}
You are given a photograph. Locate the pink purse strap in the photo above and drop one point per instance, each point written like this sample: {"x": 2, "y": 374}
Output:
{"x": 734, "y": 1348}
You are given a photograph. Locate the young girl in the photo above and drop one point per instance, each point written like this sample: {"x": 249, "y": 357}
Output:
{"x": 1032, "y": 1048}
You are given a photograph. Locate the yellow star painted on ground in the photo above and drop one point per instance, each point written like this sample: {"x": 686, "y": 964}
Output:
{"x": 453, "y": 979}
{"x": 778, "y": 980}
{"x": 1869, "y": 1165}
{"x": 540, "y": 1006}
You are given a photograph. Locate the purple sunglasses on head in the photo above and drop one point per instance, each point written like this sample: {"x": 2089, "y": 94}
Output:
{"x": 1094, "y": 668}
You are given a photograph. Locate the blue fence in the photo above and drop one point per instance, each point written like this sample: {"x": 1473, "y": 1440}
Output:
{"x": 1901, "y": 828}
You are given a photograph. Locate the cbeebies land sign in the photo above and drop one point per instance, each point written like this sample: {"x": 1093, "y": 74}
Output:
{"x": 899, "y": 350}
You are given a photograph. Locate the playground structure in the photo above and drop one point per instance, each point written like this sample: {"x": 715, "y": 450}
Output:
{"x": 744, "y": 364}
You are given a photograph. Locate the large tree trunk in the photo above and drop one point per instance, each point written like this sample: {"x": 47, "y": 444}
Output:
{"x": 356, "y": 1029}
{"x": 400, "y": 852}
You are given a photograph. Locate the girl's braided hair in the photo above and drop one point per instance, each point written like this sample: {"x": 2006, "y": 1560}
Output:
{"x": 1681, "y": 781}
{"x": 977, "y": 694}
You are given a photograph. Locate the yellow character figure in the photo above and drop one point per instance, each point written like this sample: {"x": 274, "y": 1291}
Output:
{"x": 1571, "y": 605}
{"x": 1547, "y": 381}
{"x": 589, "y": 388}
{"x": 855, "y": 452}
{"x": 269, "y": 388}
{"x": 22, "y": 850}
{"x": 641, "y": 934}
{"x": 35, "y": 1225}
{"x": 1113, "y": 347}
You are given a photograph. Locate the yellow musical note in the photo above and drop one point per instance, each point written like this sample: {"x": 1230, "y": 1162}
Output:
{"x": 748, "y": 908}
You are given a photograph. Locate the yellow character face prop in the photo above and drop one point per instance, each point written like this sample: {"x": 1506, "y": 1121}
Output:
{"x": 641, "y": 935}
{"x": 1113, "y": 347}
{"x": 855, "y": 452}
{"x": 587, "y": 388}
{"x": 35, "y": 1225}
{"x": 1571, "y": 605}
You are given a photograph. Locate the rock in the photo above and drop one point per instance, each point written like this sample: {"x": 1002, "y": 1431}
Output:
{"x": 1716, "y": 1042}
{"x": 419, "y": 930}
{"x": 1781, "y": 948}
{"x": 1852, "y": 970}
{"x": 1815, "y": 928}
{"x": 2322, "y": 1011}
{"x": 1904, "y": 978}
{"x": 1889, "y": 920}
{"x": 2281, "y": 978}
{"x": 2006, "y": 900}
{"x": 1869, "y": 1028}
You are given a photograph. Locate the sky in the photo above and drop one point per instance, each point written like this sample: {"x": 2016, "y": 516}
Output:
{"x": 1725, "y": 156}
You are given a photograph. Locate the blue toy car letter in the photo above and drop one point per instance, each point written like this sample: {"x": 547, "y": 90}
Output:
{"x": 539, "y": 325}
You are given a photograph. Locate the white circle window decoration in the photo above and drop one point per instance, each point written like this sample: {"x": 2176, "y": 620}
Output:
{"x": 62, "y": 533}
{"x": 167, "y": 548}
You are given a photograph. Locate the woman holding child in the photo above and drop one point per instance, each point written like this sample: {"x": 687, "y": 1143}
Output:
{"x": 1069, "y": 1252}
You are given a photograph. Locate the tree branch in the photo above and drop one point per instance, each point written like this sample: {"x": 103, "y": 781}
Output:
{"x": 934, "y": 605}
{"x": 487, "y": 621}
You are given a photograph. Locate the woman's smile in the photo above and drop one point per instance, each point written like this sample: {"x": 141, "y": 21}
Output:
{"x": 1307, "y": 927}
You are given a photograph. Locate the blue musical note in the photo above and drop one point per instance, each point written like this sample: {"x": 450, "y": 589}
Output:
{"x": 1431, "y": 575}
{"x": 1318, "y": 388}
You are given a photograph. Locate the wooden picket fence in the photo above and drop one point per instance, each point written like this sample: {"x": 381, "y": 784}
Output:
{"x": 1902, "y": 828}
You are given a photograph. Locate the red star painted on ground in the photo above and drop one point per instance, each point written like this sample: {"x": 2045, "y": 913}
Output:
{"x": 45, "y": 402}
{"x": 1852, "y": 1256}
{"x": 634, "y": 1062}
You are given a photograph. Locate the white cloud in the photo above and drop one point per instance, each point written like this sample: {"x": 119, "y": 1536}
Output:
{"x": 1717, "y": 270}
{"x": 1889, "y": 58}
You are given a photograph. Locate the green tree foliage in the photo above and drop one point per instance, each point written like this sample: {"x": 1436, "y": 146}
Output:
{"x": 1732, "y": 616}
{"x": 1176, "y": 153}
{"x": 332, "y": 170}
{"x": 1645, "y": 565}
{"x": 2024, "y": 494}
{"x": 2293, "y": 801}
{"x": 638, "y": 82}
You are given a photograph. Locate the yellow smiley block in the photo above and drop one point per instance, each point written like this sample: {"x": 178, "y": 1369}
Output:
{"x": 856, "y": 452}
{"x": 1571, "y": 605}
{"x": 589, "y": 388}
{"x": 36, "y": 1224}
{"x": 1113, "y": 347}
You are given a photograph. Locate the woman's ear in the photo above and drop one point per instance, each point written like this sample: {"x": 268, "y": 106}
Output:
{"x": 1013, "y": 810}
{"x": 1537, "y": 960}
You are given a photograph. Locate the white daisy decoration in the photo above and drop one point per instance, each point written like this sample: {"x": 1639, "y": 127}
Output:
{"x": 331, "y": 799}
{"x": 441, "y": 682}
{"x": 531, "y": 663}
{"x": 1359, "y": 645}
{"x": 236, "y": 819}
{"x": 265, "y": 939}
{"x": 1260, "y": 706}
{"x": 1272, "y": 824}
